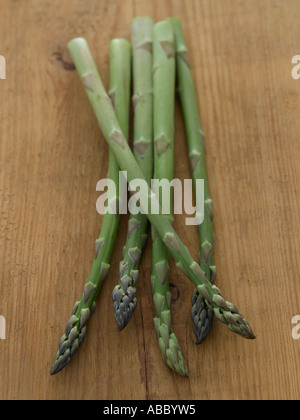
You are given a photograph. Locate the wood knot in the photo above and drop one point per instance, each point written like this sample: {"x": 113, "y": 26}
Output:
{"x": 63, "y": 56}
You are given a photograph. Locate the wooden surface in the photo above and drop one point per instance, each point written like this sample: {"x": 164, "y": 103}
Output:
{"x": 52, "y": 155}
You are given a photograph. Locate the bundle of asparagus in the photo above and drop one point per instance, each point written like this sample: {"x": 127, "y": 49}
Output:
{"x": 158, "y": 52}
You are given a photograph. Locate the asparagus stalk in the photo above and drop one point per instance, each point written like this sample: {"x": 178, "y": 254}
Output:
{"x": 225, "y": 311}
{"x": 75, "y": 332}
{"x": 202, "y": 315}
{"x": 124, "y": 294}
{"x": 164, "y": 94}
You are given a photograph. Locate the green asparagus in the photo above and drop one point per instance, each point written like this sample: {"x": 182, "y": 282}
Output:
{"x": 76, "y": 326}
{"x": 202, "y": 315}
{"x": 225, "y": 311}
{"x": 164, "y": 94}
{"x": 124, "y": 294}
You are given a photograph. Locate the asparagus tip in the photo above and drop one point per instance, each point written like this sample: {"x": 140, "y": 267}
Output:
{"x": 57, "y": 367}
{"x": 202, "y": 317}
{"x": 124, "y": 304}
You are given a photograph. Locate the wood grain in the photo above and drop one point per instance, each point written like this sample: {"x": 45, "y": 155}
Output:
{"x": 52, "y": 155}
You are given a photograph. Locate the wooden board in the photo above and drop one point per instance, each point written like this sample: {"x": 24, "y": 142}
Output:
{"x": 52, "y": 155}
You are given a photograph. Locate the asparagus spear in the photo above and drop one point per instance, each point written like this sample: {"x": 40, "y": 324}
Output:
{"x": 120, "y": 53}
{"x": 164, "y": 94}
{"x": 124, "y": 294}
{"x": 225, "y": 311}
{"x": 202, "y": 315}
